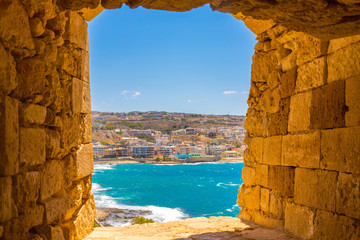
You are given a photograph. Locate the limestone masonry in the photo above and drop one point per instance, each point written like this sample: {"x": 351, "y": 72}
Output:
{"x": 302, "y": 164}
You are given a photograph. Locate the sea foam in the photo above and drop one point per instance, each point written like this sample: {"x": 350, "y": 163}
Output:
{"x": 158, "y": 214}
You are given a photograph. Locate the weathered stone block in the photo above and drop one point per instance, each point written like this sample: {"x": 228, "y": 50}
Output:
{"x": 350, "y": 63}
{"x": 26, "y": 190}
{"x": 264, "y": 64}
{"x": 56, "y": 208}
{"x": 311, "y": 75}
{"x": 262, "y": 174}
{"x": 83, "y": 223}
{"x": 80, "y": 96}
{"x": 76, "y": 192}
{"x": 84, "y": 161}
{"x": 299, "y": 116}
{"x": 87, "y": 128}
{"x": 270, "y": 101}
{"x": 308, "y": 48}
{"x": 7, "y": 207}
{"x": 32, "y": 146}
{"x": 301, "y": 150}
{"x": 281, "y": 179}
{"x": 18, "y": 32}
{"x": 312, "y": 188}
{"x": 248, "y": 176}
{"x": 31, "y": 113}
{"x": 278, "y": 122}
{"x": 287, "y": 83}
{"x": 267, "y": 221}
{"x": 9, "y": 136}
{"x": 299, "y": 220}
{"x": 31, "y": 78}
{"x": 340, "y": 43}
{"x": 52, "y": 143}
{"x": 51, "y": 232}
{"x": 36, "y": 27}
{"x": 348, "y": 195}
{"x": 51, "y": 178}
{"x": 264, "y": 199}
{"x": 85, "y": 71}
{"x": 256, "y": 148}
{"x": 8, "y": 80}
{"x": 272, "y": 150}
{"x": 332, "y": 226}
{"x": 276, "y": 206}
{"x": 256, "y": 123}
{"x": 249, "y": 197}
{"x": 328, "y": 106}
{"x": 76, "y": 30}
{"x": 70, "y": 131}
{"x": 352, "y": 100}
{"x": 33, "y": 216}
{"x": 340, "y": 149}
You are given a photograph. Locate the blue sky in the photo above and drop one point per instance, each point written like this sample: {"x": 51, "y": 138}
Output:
{"x": 149, "y": 60}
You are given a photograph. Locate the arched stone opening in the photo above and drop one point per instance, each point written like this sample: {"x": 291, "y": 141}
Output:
{"x": 302, "y": 162}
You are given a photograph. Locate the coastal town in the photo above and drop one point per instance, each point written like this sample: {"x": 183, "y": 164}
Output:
{"x": 190, "y": 137}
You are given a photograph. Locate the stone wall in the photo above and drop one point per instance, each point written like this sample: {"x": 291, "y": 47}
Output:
{"x": 302, "y": 166}
{"x": 45, "y": 130}
{"x": 302, "y": 163}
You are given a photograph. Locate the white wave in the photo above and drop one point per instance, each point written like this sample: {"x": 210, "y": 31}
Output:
{"x": 101, "y": 167}
{"x": 225, "y": 185}
{"x": 234, "y": 208}
{"x": 158, "y": 214}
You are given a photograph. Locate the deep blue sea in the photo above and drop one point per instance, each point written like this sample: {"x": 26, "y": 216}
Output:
{"x": 170, "y": 192}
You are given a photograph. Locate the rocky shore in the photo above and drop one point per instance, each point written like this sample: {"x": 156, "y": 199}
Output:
{"x": 123, "y": 216}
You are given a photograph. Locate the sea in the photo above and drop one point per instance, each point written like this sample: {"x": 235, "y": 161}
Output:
{"x": 168, "y": 192}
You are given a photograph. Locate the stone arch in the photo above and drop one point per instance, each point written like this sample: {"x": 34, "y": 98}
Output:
{"x": 302, "y": 161}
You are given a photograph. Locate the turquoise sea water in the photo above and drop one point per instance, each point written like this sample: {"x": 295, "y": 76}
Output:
{"x": 169, "y": 192}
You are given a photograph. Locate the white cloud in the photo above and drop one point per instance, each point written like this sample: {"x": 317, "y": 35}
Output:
{"x": 189, "y": 100}
{"x": 125, "y": 92}
{"x": 229, "y": 92}
{"x": 244, "y": 92}
{"x": 135, "y": 94}
{"x": 128, "y": 93}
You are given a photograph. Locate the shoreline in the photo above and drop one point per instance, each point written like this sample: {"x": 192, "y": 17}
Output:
{"x": 172, "y": 162}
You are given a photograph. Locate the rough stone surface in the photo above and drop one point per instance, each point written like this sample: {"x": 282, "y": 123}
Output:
{"x": 300, "y": 226}
{"x": 32, "y": 146}
{"x": 301, "y": 150}
{"x": 272, "y": 150}
{"x": 312, "y": 188}
{"x": 51, "y": 179}
{"x": 281, "y": 179}
{"x": 7, "y": 206}
{"x": 352, "y": 98}
{"x": 76, "y": 31}
{"x": 31, "y": 113}
{"x": 9, "y": 136}
{"x": 299, "y": 116}
{"x": 84, "y": 163}
{"x": 311, "y": 75}
{"x": 8, "y": 79}
{"x": 328, "y": 106}
{"x": 332, "y": 226}
{"x": 348, "y": 195}
{"x": 340, "y": 149}
{"x": 350, "y": 63}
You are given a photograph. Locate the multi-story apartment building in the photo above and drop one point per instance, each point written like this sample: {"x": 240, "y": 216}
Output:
{"x": 166, "y": 151}
{"x": 143, "y": 151}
